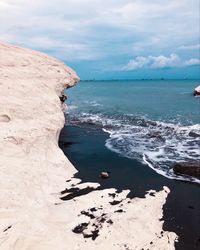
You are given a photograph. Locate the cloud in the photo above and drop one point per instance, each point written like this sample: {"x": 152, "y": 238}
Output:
{"x": 192, "y": 62}
{"x": 136, "y": 63}
{"x": 159, "y": 62}
{"x": 164, "y": 62}
{"x": 190, "y": 47}
{"x": 99, "y": 30}
{"x": 62, "y": 49}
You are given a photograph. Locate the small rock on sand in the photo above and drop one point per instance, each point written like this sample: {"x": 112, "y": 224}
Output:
{"x": 104, "y": 175}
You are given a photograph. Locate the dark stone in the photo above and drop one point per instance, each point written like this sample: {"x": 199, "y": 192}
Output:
{"x": 93, "y": 234}
{"x": 93, "y": 209}
{"x": 112, "y": 195}
{"x": 193, "y": 134}
{"x": 87, "y": 235}
{"x": 115, "y": 202}
{"x": 119, "y": 211}
{"x": 109, "y": 221}
{"x": 102, "y": 220}
{"x": 196, "y": 93}
{"x": 63, "y": 98}
{"x": 79, "y": 229}
{"x": 187, "y": 168}
{"x": 88, "y": 214}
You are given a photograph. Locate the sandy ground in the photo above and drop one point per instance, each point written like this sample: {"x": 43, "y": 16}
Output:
{"x": 33, "y": 172}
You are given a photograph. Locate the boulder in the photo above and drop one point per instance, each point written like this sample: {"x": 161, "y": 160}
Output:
{"x": 197, "y": 91}
{"x": 188, "y": 168}
{"x": 193, "y": 134}
{"x": 104, "y": 175}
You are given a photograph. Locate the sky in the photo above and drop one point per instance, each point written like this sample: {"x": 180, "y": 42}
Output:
{"x": 110, "y": 39}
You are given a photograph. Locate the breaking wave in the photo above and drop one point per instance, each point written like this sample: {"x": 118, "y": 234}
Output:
{"x": 157, "y": 144}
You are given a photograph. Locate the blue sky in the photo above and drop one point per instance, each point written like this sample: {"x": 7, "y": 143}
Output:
{"x": 110, "y": 39}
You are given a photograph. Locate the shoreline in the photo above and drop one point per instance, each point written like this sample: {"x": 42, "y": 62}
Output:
{"x": 180, "y": 214}
{"x": 34, "y": 172}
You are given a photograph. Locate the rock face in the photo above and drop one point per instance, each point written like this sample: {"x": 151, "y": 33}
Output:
{"x": 197, "y": 91}
{"x": 32, "y": 167}
{"x": 188, "y": 168}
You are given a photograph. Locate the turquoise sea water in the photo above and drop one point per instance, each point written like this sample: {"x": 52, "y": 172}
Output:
{"x": 154, "y": 122}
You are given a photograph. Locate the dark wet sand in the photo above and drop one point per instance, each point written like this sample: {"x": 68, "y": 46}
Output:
{"x": 85, "y": 148}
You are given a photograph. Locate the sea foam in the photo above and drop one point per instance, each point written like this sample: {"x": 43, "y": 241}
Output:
{"x": 155, "y": 143}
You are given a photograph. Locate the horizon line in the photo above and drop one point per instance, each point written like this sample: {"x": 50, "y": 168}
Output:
{"x": 141, "y": 79}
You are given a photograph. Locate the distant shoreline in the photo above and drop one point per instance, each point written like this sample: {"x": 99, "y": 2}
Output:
{"x": 145, "y": 79}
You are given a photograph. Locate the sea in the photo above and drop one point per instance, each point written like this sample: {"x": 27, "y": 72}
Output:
{"x": 153, "y": 122}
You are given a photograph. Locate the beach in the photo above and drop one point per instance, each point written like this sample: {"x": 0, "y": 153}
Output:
{"x": 181, "y": 210}
{"x": 40, "y": 208}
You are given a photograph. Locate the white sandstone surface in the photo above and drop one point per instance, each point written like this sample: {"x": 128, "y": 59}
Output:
{"x": 33, "y": 171}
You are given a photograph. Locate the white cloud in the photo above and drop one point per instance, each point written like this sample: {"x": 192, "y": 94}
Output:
{"x": 190, "y": 47}
{"x": 136, "y": 63}
{"x": 159, "y": 62}
{"x": 192, "y": 62}
{"x": 164, "y": 62}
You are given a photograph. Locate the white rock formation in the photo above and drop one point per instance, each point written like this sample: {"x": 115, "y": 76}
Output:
{"x": 197, "y": 90}
{"x": 33, "y": 170}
